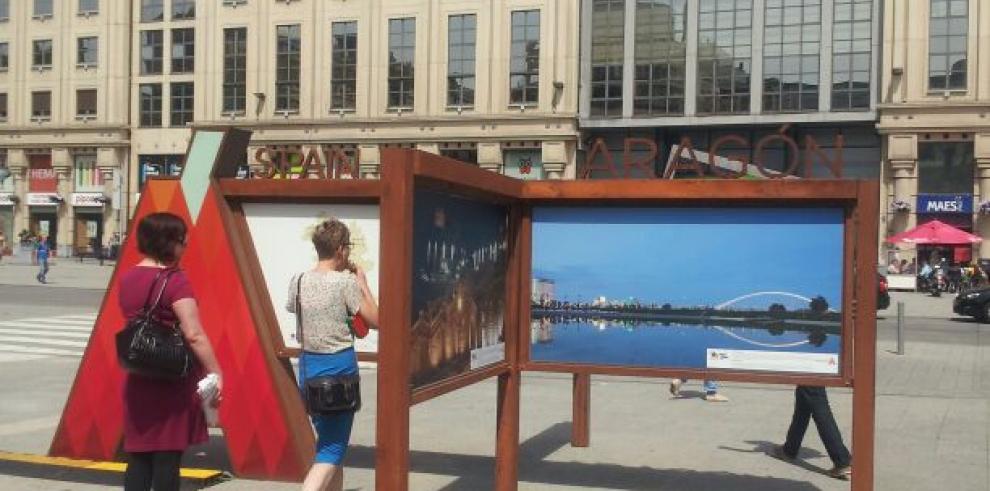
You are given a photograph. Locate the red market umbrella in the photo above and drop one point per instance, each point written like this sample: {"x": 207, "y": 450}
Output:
{"x": 935, "y": 233}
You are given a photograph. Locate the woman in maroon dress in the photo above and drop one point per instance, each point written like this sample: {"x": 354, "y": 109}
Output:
{"x": 163, "y": 417}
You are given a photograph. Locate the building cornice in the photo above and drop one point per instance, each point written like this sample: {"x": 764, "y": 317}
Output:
{"x": 732, "y": 120}
{"x": 408, "y": 120}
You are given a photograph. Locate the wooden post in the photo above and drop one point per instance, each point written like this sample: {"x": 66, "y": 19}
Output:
{"x": 507, "y": 443}
{"x": 581, "y": 408}
{"x": 394, "y": 399}
{"x": 864, "y": 345}
{"x": 509, "y": 384}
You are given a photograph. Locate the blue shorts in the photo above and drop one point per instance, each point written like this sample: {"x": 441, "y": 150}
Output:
{"x": 333, "y": 432}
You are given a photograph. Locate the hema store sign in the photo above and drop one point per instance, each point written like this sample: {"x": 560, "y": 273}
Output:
{"x": 945, "y": 203}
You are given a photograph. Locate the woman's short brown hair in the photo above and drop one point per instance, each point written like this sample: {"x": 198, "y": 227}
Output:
{"x": 158, "y": 234}
{"x": 330, "y": 235}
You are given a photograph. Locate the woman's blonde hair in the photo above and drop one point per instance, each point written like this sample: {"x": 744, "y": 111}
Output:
{"x": 329, "y": 236}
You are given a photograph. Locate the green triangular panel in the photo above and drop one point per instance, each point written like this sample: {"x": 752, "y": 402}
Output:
{"x": 196, "y": 173}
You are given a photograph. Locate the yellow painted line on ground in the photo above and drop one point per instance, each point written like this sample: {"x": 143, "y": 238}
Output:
{"x": 95, "y": 465}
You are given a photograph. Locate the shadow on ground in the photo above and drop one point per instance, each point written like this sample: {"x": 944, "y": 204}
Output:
{"x": 476, "y": 472}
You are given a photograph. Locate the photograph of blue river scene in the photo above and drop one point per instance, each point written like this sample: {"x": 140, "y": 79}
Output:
{"x": 720, "y": 288}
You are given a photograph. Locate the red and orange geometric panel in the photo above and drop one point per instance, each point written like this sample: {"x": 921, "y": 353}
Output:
{"x": 256, "y": 420}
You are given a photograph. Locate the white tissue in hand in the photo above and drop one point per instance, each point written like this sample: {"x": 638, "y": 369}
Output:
{"x": 208, "y": 390}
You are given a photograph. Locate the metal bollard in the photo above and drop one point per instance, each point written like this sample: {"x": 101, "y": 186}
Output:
{"x": 900, "y": 328}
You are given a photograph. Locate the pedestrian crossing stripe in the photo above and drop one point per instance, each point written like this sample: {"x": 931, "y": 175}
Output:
{"x": 41, "y": 328}
{"x": 31, "y": 350}
{"x": 37, "y": 338}
{"x": 40, "y": 340}
{"x": 56, "y": 320}
{"x": 58, "y": 334}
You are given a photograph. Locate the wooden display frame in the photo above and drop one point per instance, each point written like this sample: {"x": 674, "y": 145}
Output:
{"x": 706, "y": 193}
{"x": 405, "y": 171}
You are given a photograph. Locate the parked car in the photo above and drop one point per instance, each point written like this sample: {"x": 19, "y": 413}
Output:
{"x": 973, "y": 303}
{"x": 883, "y": 296}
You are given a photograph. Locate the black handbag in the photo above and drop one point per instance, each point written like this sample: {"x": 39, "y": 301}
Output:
{"x": 326, "y": 394}
{"x": 146, "y": 346}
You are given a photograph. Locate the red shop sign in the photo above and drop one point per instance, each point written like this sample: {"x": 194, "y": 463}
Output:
{"x": 41, "y": 175}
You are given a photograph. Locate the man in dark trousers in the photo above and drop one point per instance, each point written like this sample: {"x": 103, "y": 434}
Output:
{"x": 812, "y": 402}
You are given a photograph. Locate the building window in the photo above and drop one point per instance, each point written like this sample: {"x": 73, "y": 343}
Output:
{"x": 87, "y": 173}
{"x": 401, "y": 59}
{"x": 152, "y": 10}
{"x": 234, "y": 70}
{"x": 151, "y": 104}
{"x": 183, "y": 9}
{"x": 43, "y": 8}
{"x": 524, "y": 60}
{"x": 852, "y": 53}
{"x": 4, "y": 10}
{"x": 151, "y": 52}
{"x": 661, "y": 57}
{"x": 724, "y": 56}
{"x": 89, "y": 6}
{"x": 607, "y": 25}
{"x": 183, "y": 50}
{"x": 948, "y": 28}
{"x": 42, "y": 58}
{"x": 791, "y": 43}
{"x": 88, "y": 51}
{"x": 945, "y": 167}
{"x": 287, "y": 59}
{"x": 158, "y": 165}
{"x": 461, "y": 45}
{"x": 41, "y": 105}
{"x": 343, "y": 73}
{"x": 182, "y": 104}
{"x": 3, "y": 106}
{"x": 4, "y": 57}
{"x": 86, "y": 102}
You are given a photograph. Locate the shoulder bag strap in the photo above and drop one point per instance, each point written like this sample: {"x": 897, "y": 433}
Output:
{"x": 151, "y": 289}
{"x": 161, "y": 291}
{"x": 299, "y": 327}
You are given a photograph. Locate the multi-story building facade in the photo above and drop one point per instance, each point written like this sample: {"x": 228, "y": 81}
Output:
{"x": 488, "y": 82}
{"x": 786, "y": 86}
{"x": 63, "y": 125}
{"x": 935, "y": 118}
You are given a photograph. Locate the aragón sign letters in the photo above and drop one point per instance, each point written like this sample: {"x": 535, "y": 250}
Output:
{"x": 639, "y": 155}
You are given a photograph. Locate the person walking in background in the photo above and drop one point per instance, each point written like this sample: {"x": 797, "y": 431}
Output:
{"x": 3, "y": 245}
{"x": 812, "y": 403}
{"x": 163, "y": 417}
{"x": 42, "y": 252}
{"x": 711, "y": 390}
{"x": 329, "y": 295}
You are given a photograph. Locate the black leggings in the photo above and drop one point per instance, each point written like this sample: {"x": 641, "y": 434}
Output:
{"x": 152, "y": 470}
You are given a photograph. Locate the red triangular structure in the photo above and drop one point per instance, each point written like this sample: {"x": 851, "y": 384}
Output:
{"x": 257, "y": 422}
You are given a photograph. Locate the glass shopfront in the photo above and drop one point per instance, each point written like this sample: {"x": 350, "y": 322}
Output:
{"x": 7, "y": 229}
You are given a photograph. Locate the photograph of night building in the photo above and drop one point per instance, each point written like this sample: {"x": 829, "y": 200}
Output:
{"x": 458, "y": 288}
{"x": 748, "y": 288}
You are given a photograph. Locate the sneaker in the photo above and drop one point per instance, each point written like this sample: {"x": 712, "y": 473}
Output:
{"x": 841, "y": 472}
{"x": 778, "y": 453}
{"x": 675, "y": 387}
{"x": 716, "y": 397}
